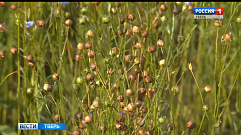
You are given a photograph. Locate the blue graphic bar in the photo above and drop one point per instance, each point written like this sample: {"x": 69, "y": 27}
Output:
{"x": 41, "y": 126}
{"x": 204, "y": 11}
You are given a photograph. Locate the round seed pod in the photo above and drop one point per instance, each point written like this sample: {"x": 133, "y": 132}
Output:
{"x": 80, "y": 80}
{"x": 152, "y": 49}
{"x": 81, "y": 126}
{"x": 162, "y": 120}
{"x": 170, "y": 126}
{"x": 132, "y": 77}
{"x": 31, "y": 64}
{"x": 47, "y": 87}
{"x": 122, "y": 20}
{"x": 29, "y": 91}
{"x": 93, "y": 66}
{"x": 131, "y": 17}
{"x": 2, "y": 4}
{"x": 138, "y": 45}
{"x": 14, "y": 50}
{"x": 205, "y": 107}
{"x": 238, "y": 20}
{"x": 90, "y": 77}
{"x": 141, "y": 132}
{"x": 163, "y": 7}
{"x": 41, "y": 23}
{"x": 91, "y": 54}
{"x": 191, "y": 124}
{"x": 2, "y": 27}
{"x": 207, "y": 88}
{"x": 76, "y": 132}
{"x": 144, "y": 34}
{"x": 149, "y": 93}
{"x": 96, "y": 103}
{"x": 115, "y": 50}
{"x": 218, "y": 23}
{"x": 68, "y": 22}
{"x": 103, "y": 129}
{"x": 56, "y": 117}
{"x": 121, "y": 119}
{"x": 96, "y": 3}
{"x": 105, "y": 19}
{"x": 228, "y": 36}
{"x": 128, "y": 58}
{"x": 119, "y": 126}
{"x": 113, "y": 10}
{"x": 138, "y": 103}
{"x": 148, "y": 79}
{"x": 55, "y": 76}
{"x": 29, "y": 58}
{"x": 122, "y": 104}
{"x": 88, "y": 119}
{"x": 79, "y": 116}
{"x": 160, "y": 43}
{"x": 163, "y": 18}
{"x": 80, "y": 46}
{"x": 135, "y": 30}
{"x": 2, "y": 53}
{"x": 13, "y": 7}
{"x": 149, "y": 132}
{"x": 142, "y": 90}
{"x": 175, "y": 11}
{"x": 116, "y": 86}
{"x": 129, "y": 93}
{"x": 125, "y": 109}
{"x": 120, "y": 98}
{"x": 117, "y": 4}
{"x": 162, "y": 62}
{"x": 78, "y": 57}
{"x": 90, "y": 33}
{"x": 131, "y": 107}
{"x": 88, "y": 45}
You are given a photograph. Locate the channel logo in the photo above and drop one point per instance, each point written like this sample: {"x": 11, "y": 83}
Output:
{"x": 208, "y": 11}
{"x": 41, "y": 126}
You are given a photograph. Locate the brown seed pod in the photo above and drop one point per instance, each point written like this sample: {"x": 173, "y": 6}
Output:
{"x": 228, "y": 36}
{"x": 96, "y": 3}
{"x": 131, "y": 17}
{"x": 121, "y": 119}
{"x": 41, "y": 23}
{"x": 14, "y": 50}
{"x": 119, "y": 126}
{"x": 125, "y": 109}
{"x": 91, "y": 54}
{"x": 170, "y": 126}
{"x": 149, "y": 132}
{"x": 90, "y": 77}
{"x": 148, "y": 79}
{"x": 92, "y": 83}
{"x": 218, "y": 23}
{"x": 2, "y": 4}
{"x": 79, "y": 116}
{"x": 128, "y": 58}
{"x": 155, "y": 25}
{"x": 29, "y": 58}
{"x": 128, "y": 33}
{"x": 163, "y": 7}
{"x": 191, "y": 124}
{"x": 142, "y": 90}
{"x": 138, "y": 103}
{"x": 144, "y": 34}
{"x": 96, "y": 103}
{"x": 207, "y": 88}
{"x": 135, "y": 30}
{"x": 160, "y": 43}
{"x": 152, "y": 49}
{"x": 149, "y": 93}
{"x": 140, "y": 122}
{"x": 129, "y": 93}
{"x": 103, "y": 129}
{"x": 47, "y": 87}
{"x": 13, "y": 7}
{"x": 88, "y": 119}
{"x": 55, "y": 76}
{"x": 116, "y": 86}
{"x": 76, "y": 132}
{"x": 122, "y": 104}
{"x": 80, "y": 46}
{"x": 78, "y": 57}
{"x": 131, "y": 107}
{"x": 153, "y": 90}
{"x": 2, "y": 53}
{"x": 132, "y": 77}
{"x": 68, "y": 22}
{"x": 145, "y": 73}
{"x": 56, "y": 117}
{"x": 122, "y": 20}
{"x": 115, "y": 50}
{"x": 141, "y": 132}
{"x": 93, "y": 66}
{"x": 31, "y": 64}
{"x": 175, "y": 11}
{"x": 143, "y": 110}
{"x": 88, "y": 45}
{"x": 120, "y": 98}
{"x": 81, "y": 126}
{"x": 117, "y": 4}
{"x": 138, "y": 45}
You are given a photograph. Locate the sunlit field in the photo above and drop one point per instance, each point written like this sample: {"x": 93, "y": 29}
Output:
{"x": 120, "y": 68}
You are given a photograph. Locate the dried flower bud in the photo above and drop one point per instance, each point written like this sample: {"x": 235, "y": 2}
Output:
{"x": 120, "y": 98}
{"x": 175, "y": 11}
{"x": 96, "y": 103}
{"x": 128, "y": 33}
{"x": 138, "y": 103}
{"x": 29, "y": 58}
{"x": 207, "y": 88}
{"x": 129, "y": 93}
{"x": 139, "y": 45}
{"x": 149, "y": 132}
{"x": 78, "y": 57}
{"x": 160, "y": 43}
{"x": 88, "y": 45}
{"x": 88, "y": 119}
{"x": 162, "y": 62}
{"x": 228, "y": 36}
{"x": 79, "y": 115}
{"x": 145, "y": 73}
{"x": 144, "y": 34}
{"x": 131, "y": 107}
{"x": 148, "y": 79}
{"x": 190, "y": 7}
{"x": 80, "y": 46}
{"x": 90, "y": 77}
{"x": 122, "y": 104}
{"x": 109, "y": 71}
{"x": 135, "y": 30}
{"x": 14, "y": 50}
{"x": 2, "y": 53}
{"x": 142, "y": 90}
{"x": 81, "y": 126}
{"x": 140, "y": 122}
{"x": 90, "y": 33}
{"x": 218, "y": 23}
{"x": 93, "y": 66}
{"x": 91, "y": 54}
{"x": 41, "y": 23}
{"x": 47, "y": 87}
{"x": 132, "y": 77}
{"x": 191, "y": 124}
{"x": 151, "y": 48}
{"x": 128, "y": 58}
{"x": 68, "y": 22}
{"x": 121, "y": 71}
{"x": 143, "y": 110}
{"x": 55, "y": 76}
{"x": 141, "y": 132}
{"x": 205, "y": 107}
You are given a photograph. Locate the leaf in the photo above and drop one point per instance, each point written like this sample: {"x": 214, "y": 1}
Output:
{"x": 7, "y": 130}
